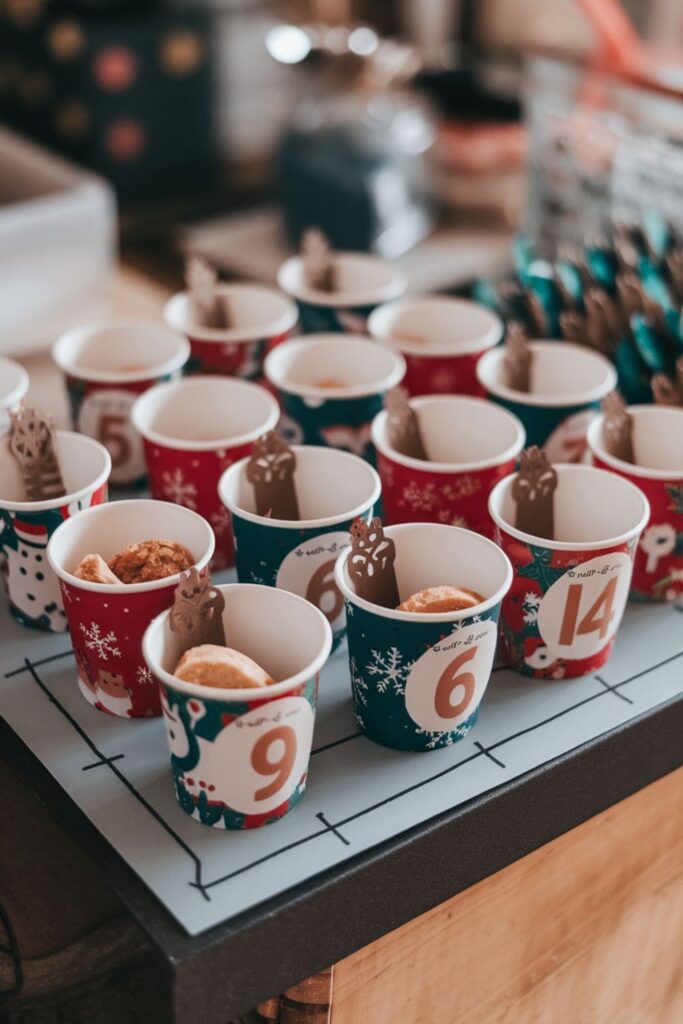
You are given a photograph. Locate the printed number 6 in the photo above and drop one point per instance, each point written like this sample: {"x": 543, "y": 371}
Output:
{"x": 447, "y": 683}
{"x": 321, "y": 583}
{"x": 113, "y": 436}
{"x": 281, "y": 768}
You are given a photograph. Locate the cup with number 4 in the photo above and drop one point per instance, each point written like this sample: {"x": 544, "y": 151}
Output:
{"x": 418, "y": 678}
{"x": 240, "y": 757}
{"x": 562, "y": 613}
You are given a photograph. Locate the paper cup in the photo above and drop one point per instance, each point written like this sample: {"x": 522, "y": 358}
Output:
{"x": 441, "y": 338}
{"x": 107, "y": 621}
{"x": 473, "y": 445}
{"x": 658, "y": 449}
{"x": 240, "y": 757}
{"x": 262, "y": 318}
{"x": 13, "y": 387}
{"x": 568, "y": 596}
{"x": 418, "y": 680}
{"x": 192, "y": 431}
{"x": 568, "y": 382}
{"x": 364, "y": 282}
{"x": 26, "y": 526}
{"x": 105, "y": 367}
{"x": 333, "y": 488}
{"x": 332, "y": 387}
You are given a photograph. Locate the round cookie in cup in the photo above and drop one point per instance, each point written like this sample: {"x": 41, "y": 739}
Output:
{"x": 657, "y": 438}
{"x": 261, "y": 318}
{"x": 107, "y": 620}
{"x": 418, "y": 677}
{"x": 441, "y": 338}
{"x": 362, "y": 282}
{"x": 471, "y": 445}
{"x": 561, "y": 616}
{"x": 568, "y": 382}
{"x": 240, "y": 757}
{"x": 192, "y": 430}
{"x": 13, "y": 387}
{"x": 331, "y": 387}
{"x": 106, "y": 366}
{"x": 27, "y": 526}
{"x": 333, "y": 488}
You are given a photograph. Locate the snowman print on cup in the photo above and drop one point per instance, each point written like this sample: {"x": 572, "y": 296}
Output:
{"x": 34, "y": 589}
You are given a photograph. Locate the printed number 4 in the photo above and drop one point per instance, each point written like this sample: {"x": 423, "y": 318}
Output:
{"x": 592, "y": 621}
{"x": 448, "y": 681}
{"x": 281, "y": 767}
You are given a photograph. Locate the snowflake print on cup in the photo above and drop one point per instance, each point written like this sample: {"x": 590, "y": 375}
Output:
{"x": 175, "y": 487}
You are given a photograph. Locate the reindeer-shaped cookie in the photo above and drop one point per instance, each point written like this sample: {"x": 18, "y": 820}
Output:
{"x": 403, "y": 425}
{"x": 270, "y": 471}
{"x": 33, "y": 445}
{"x": 196, "y": 616}
{"x": 518, "y": 358}
{"x": 318, "y": 261}
{"x": 533, "y": 491}
{"x": 371, "y": 564}
{"x": 617, "y": 427}
{"x": 668, "y": 391}
{"x": 208, "y": 306}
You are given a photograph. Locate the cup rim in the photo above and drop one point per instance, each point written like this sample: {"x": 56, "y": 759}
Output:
{"x": 509, "y": 454}
{"x": 427, "y": 350}
{"x": 129, "y": 588}
{"x": 289, "y": 387}
{"x": 71, "y": 368}
{"x": 176, "y": 306}
{"x": 139, "y": 408}
{"x": 629, "y": 468}
{"x": 577, "y": 398}
{"x": 17, "y": 392}
{"x": 290, "y": 271}
{"x": 566, "y": 545}
{"x": 393, "y": 613}
{"x": 302, "y": 524}
{"x": 248, "y": 693}
{"x": 71, "y": 496}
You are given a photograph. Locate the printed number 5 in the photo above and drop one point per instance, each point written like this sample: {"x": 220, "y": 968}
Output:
{"x": 280, "y": 768}
{"x": 448, "y": 681}
{"x": 591, "y": 622}
{"x": 113, "y": 436}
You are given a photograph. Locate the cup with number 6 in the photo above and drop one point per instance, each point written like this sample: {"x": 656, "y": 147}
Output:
{"x": 567, "y": 599}
{"x": 240, "y": 757}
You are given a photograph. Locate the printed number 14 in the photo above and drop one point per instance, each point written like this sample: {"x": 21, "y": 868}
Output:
{"x": 596, "y": 619}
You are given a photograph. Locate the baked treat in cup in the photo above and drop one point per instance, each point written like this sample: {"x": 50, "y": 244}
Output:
{"x": 192, "y": 430}
{"x": 361, "y": 283}
{"x": 470, "y": 445}
{"x": 331, "y": 387}
{"x": 107, "y": 620}
{"x": 561, "y": 615}
{"x": 13, "y": 387}
{"x": 441, "y": 339}
{"x": 239, "y": 757}
{"x": 106, "y": 366}
{"x": 657, "y": 436}
{"x": 333, "y": 488}
{"x": 418, "y": 677}
{"x": 260, "y": 318}
{"x": 567, "y": 384}
{"x": 27, "y": 526}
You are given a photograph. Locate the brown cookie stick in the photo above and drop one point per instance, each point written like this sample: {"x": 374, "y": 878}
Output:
{"x": 518, "y": 358}
{"x": 33, "y": 444}
{"x": 318, "y": 261}
{"x": 533, "y": 490}
{"x": 270, "y": 471}
{"x": 403, "y": 425}
{"x": 196, "y": 616}
{"x": 208, "y": 306}
{"x": 617, "y": 427}
{"x": 371, "y": 564}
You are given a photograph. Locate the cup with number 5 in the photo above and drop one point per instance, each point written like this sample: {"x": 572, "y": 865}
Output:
{"x": 333, "y": 488}
{"x": 106, "y": 367}
{"x": 418, "y": 678}
{"x": 240, "y": 757}
{"x": 562, "y": 613}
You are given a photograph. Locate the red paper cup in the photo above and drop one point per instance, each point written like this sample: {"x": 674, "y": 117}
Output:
{"x": 13, "y": 387}
{"x": 107, "y": 621}
{"x": 441, "y": 338}
{"x": 658, "y": 449}
{"x": 192, "y": 431}
{"x": 262, "y": 318}
{"x": 473, "y": 445}
{"x": 26, "y": 526}
{"x": 106, "y": 366}
{"x": 561, "y": 616}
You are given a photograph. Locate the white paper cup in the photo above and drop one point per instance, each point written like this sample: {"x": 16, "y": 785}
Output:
{"x": 240, "y": 757}
{"x": 13, "y": 387}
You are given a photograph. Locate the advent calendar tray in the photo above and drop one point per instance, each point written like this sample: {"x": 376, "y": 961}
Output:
{"x": 403, "y": 830}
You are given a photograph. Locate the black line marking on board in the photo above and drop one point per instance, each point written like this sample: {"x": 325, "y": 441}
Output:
{"x": 335, "y": 743}
{"x": 488, "y": 753}
{"x": 105, "y": 760}
{"x": 262, "y": 860}
{"x": 652, "y": 668}
{"x": 42, "y": 661}
{"x": 323, "y": 819}
{"x": 613, "y": 689}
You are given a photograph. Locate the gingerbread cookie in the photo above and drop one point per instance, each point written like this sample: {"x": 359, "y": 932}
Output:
{"x": 222, "y": 667}
{"x": 441, "y": 599}
{"x": 150, "y": 560}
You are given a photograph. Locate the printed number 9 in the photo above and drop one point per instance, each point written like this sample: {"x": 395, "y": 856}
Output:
{"x": 448, "y": 681}
{"x": 321, "y": 583}
{"x": 282, "y": 767}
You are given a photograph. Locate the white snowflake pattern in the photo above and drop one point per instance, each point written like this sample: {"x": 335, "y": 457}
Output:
{"x": 104, "y": 644}
{"x": 420, "y": 499}
{"x": 143, "y": 676}
{"x": 360, "y": 687}
{"x": 220, "y": 520}
{"x": 177, "y": 489}
{"x": 444, "y": 739}
{"x": 389, "y": 670}
{"x": 530, "y": 605}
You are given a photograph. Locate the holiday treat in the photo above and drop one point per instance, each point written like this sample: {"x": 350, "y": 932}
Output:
{"x": 617, "y": 428}
{"x": 208, "y": 306}
{"x": 669, "y": 390}
{"x": 150, "y": 560}
{"x": 318, "y": 261}
{"x": 403, "y": 425}
{"x": 440, "y": 599}
{"x": 518, "y": 358}
{"x": 94, "y": 569}
{"x": 270, "y": 470}
{"x": 371, "y": 564}
{"x": 533, "y": 491}
{"x": 33, "y": 445}
{"x": 196, "y": 615}
{"x": 211, "y": 665}
{"x": 331, "y": 382}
